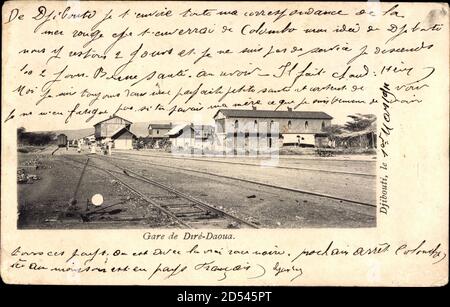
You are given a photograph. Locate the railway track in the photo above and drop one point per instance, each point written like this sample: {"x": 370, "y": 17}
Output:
{"x": 255, "y": 164}
{"x": 250, "y": 181}
{"x": 182, "y": 208}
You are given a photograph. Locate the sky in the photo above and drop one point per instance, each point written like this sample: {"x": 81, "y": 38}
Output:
{"x": 339, "y": 117}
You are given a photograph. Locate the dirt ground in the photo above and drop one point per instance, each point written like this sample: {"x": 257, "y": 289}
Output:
{"x": 363, "y": 165}
{"x": 44, "y": 203}
{"x": 269, "y": 207}
{"x": 358, "y": 188}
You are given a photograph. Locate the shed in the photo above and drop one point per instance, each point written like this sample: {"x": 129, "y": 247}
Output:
{"x": 123, "y": 138}
{"x": 159, "y": 131}
{"x": 139, "y": 130}
{"x": 361, "y": 139}
{"x": 105, "y": 128}
{"x": 182, "y": 136}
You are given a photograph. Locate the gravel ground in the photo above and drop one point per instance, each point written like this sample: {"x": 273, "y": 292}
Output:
{"x": 349, "y": 164}
{"x": 357, "y": 188}
{"x": 42, "y": 203}
{"x": 45, "y": 202}
{"x": 268, "y": 207}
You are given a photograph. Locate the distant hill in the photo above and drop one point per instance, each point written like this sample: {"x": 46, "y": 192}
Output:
{"x": 140, "y": 129}
{"x": 73, "y": 134}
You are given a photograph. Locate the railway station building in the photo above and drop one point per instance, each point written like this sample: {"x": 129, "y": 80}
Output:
{"x": 182, "y": 137}
{"x": 115, "y": 129}
{"x": 157, "y": 135}
{"x": 192, "y": 138}
{"x": 159, "y": 131}
{"x": 106, "y": 128}
{"x": 259, "y": 130}
{"x": 123, "y": 138}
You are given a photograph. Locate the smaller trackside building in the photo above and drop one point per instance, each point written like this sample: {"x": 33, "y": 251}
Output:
{"x": 123, "y": 139}
{"x": 115, "y": 129}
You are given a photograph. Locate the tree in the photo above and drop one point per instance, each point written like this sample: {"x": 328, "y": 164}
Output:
{"x": 20, "y": 134}
{"x": 34, "y": 138}
{"x": 360, "y": 122}
{"x": 333, "y": 130}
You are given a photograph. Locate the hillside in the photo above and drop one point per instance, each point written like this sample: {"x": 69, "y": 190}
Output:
{"x": 140, "y": 129}
{"x": 72, "y": 134}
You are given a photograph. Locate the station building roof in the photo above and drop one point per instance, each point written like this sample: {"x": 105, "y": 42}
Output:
{"x": 177, "y": 129}
{"x": 139, "y": 129}
{"x": 120, "y": 131}
{"x": 160, "y": 126}
{"x": 239, "y": 113}
{"x": 109, "y": 118}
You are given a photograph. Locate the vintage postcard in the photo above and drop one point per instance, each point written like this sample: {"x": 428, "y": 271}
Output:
{"x": 225, "y": 143}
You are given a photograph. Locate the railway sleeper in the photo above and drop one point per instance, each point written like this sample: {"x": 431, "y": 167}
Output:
{"x": 183, "y": 210}
{"x": 165, "y": 197}
{"x": 177, "y": 205}
{"x": 197, "y": 215}
{"x": 118, "y": 220}
{"x": 192, "y": 213}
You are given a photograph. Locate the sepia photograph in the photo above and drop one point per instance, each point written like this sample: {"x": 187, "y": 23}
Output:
{"x": 225, "y": 143}
{"x": 251, "y": 168}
